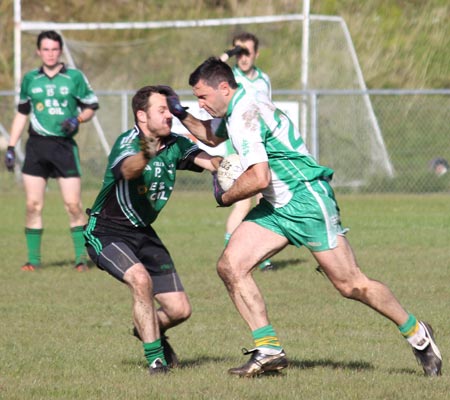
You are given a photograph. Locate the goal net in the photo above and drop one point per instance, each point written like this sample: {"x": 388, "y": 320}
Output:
{"x": 342, "y": 129}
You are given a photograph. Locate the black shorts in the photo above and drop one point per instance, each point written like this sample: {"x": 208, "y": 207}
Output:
{"x": 51, "y": 157}
{"x": 116, "y": 249}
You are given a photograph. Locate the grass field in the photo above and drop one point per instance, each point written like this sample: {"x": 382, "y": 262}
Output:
{"x": 65, "y": 335}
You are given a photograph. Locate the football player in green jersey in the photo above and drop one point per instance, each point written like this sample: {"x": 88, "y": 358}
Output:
{"x": 298, "y": 207}
{"x": 51, "y": 95}
{"x": 139, "y": 179}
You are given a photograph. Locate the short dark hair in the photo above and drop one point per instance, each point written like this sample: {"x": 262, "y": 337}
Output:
{"x": 52, "y": 35}
{"x": 213, "y": 71}
{"x": 246, "y": 36}
{"x": 140, "y": 101}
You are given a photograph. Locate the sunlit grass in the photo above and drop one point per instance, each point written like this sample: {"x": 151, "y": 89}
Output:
{"x": 66, "y": 335}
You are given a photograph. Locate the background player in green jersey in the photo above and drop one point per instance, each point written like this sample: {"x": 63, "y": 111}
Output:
{"x": 246, "y": 50}
{"x": 138, "y": 182}
{"x": 51, "y": 95}
{"x": 298, "y": 207}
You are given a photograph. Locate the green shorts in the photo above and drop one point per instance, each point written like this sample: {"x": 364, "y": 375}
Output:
{"x": 310, "y": 219}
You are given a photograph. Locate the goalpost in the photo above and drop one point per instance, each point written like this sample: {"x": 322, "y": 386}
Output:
{"x": 325, "y": 59}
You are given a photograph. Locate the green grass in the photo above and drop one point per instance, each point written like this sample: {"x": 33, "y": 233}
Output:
{"x": 65, "y": 335}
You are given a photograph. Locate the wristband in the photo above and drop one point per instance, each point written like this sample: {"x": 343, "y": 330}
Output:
{"x": 79, "y": 119}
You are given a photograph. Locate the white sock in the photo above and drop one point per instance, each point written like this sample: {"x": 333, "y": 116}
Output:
{"x": 419, "y": 340}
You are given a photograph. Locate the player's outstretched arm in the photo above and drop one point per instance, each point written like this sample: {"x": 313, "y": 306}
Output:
{"x": 210, "y": 163}
{"x": 202, "y": 130}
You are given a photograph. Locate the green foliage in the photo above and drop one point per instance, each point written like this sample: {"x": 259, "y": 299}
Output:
{"x": 66, "y": 335}
{"x": 400, "y": 44}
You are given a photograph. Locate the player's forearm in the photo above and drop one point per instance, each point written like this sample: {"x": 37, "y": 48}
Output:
{"x": 251, "y": 182}
{"x": 133, "y": 166}
{"x": 210, "y": 163}
{"x": 86, "y": 115}
{"x": 17, "y": 128}
{"x": 202, "y": 130}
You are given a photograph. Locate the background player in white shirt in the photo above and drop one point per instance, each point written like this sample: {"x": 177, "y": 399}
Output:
{"x": 246, "y": 50}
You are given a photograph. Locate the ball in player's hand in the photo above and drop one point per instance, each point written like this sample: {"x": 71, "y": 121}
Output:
{"x": 229, "y": 170}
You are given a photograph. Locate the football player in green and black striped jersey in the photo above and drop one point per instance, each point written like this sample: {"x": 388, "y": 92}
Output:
{"x": 139, "y": 179}
{"x": 52, "y": 96}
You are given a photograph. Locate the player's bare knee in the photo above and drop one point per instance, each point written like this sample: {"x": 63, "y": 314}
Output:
{"x": 34, "y": 207}
{"x": 139, "y": 279}
{"x": 74, "y": 209}
{"x": 182, "y": 312}
{"x": 224, "y": 268}
{"x": 352, "y": 290}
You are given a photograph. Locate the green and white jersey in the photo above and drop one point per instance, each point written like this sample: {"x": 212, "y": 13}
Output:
{"x": 137, "y": 202}
{"x": 52, "y": 100}
{"x": 260, "y": 132}
{"x": 261, "y": 83}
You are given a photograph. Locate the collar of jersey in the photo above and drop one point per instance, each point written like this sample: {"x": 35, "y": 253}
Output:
{"x": 238, "y": 71}
{"x": 61, "y": 71}
{"x": 240, "y": 92}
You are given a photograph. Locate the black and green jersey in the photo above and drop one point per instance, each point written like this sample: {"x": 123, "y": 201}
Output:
{"x": 52, "y": 100}
{"x": 137, "y": 202}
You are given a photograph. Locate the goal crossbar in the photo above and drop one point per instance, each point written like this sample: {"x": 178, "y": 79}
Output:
{"x": 31, "y": 26}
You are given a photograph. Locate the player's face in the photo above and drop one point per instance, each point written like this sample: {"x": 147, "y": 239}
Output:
{"x": 49, "y": 52}
{"x": 210, "y": 99}
{"x": 158, "y": 117}
{"x": 245, "y": 62}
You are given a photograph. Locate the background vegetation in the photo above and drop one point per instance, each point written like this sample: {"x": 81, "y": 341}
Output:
{"x": 66, "y": 335}
{"x": 400, "y": 43}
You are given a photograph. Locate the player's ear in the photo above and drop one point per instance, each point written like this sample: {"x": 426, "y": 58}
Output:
{"x": 141, "y": 116}
{"x": 224, "y": 88}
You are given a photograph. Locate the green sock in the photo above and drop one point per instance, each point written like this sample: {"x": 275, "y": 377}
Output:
{"x": 154, "y": 350}
{"x": 78, "y": 244}
{"x": 34, "y": 238}
{"x": 264, "y": 264}
{"x": 266, "y": 337}
{"x": 410, "y": 327}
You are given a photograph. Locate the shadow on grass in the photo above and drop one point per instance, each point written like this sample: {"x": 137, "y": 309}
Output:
{"x": 59, "y": 264}
{"x": 352, "y": 365}
{"x": 293, "y": 364}
{"x": 66, "y": 263}
{"x": 281, "y": 264}
{"x": 327, "y": 363}
{"x": 184, "y": 363}
{"x": 406, "y": 371}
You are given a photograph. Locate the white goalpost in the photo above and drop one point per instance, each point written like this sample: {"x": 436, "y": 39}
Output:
{"x": 326, "y": 60}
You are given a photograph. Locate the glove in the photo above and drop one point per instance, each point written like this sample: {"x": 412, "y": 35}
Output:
{"x": 173, "y": 102}
{"x": 237, "y": 50}
{"x": 70, "y": 126}
{"x": 148, "y": 146}
{"x": 10, "y": 158}
{"x": 218, "y": 191}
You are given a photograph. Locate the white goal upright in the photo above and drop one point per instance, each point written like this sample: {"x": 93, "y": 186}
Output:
{"x": 310, "y": 59}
